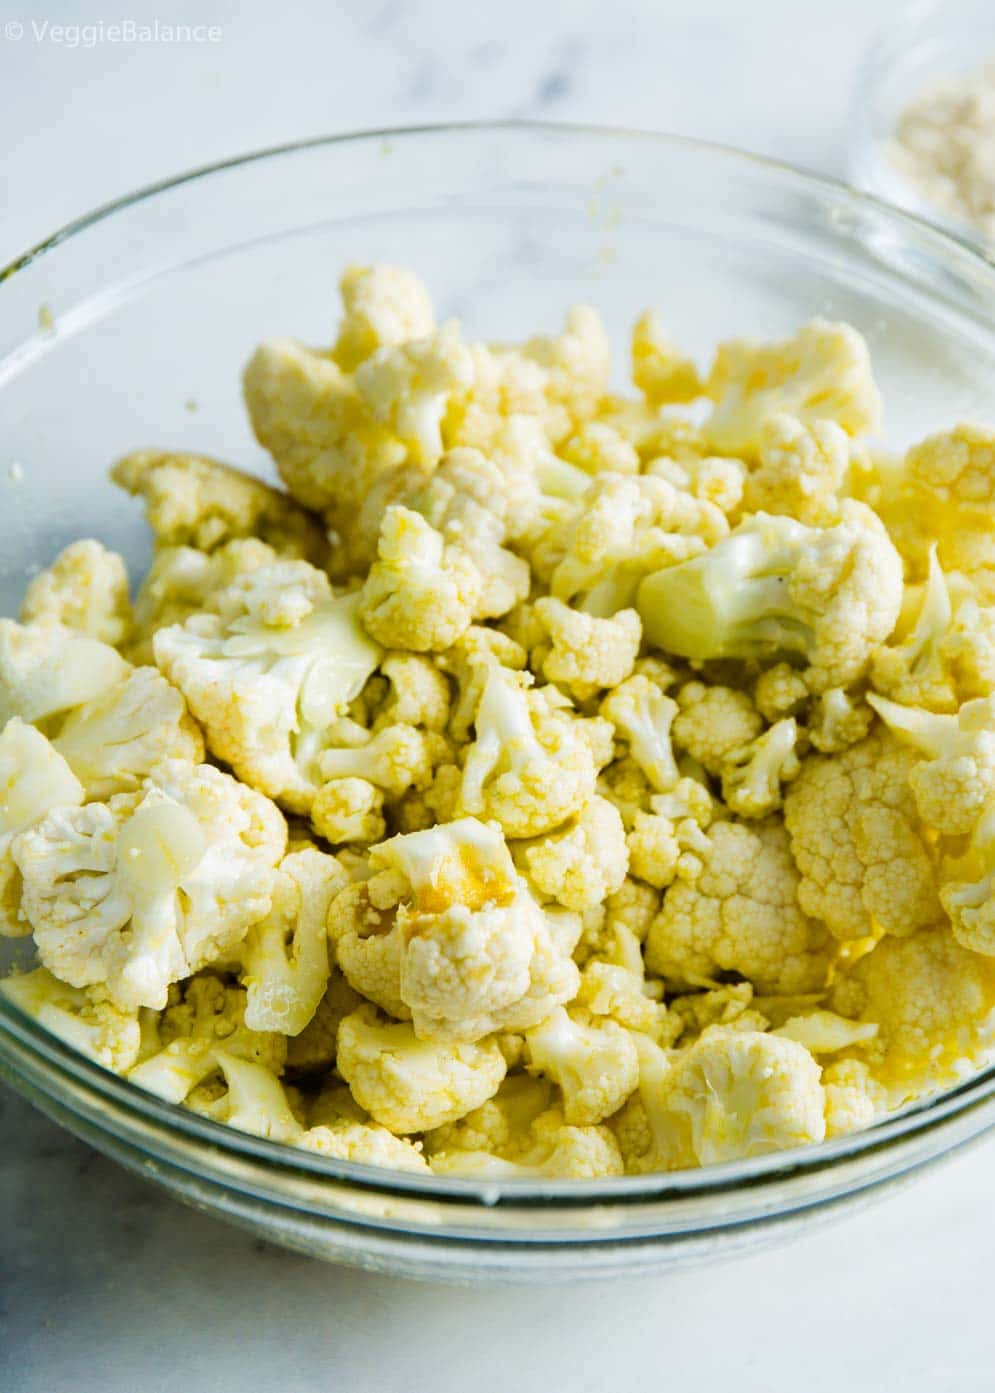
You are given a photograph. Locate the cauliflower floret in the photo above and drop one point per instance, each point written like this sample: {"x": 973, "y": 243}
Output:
{"x": 643, "y": 716}
{"x": 468, "y": 662}
{"x": 34, "y": 779}
{"x": 419, "y": 693}
{"x": 383, "y": 307}
{"x": 780, "y": 692}
{"x": 626, "y": 529}
{"x": 531, "y": 766}
{"x": 204, "y": 1016}
{"x": 944, "y": 495}
{"x": 622, "y": 994}
{"x": 824, "y": 1032}
{"x": 854, "y": 1099}
{"x": 254, "y": 1101}
{"x": 714, "y": 722}
{"x": 548, "y": 1149}
{"x": 837, "y": 720}
{"x": 593, "y": 1062}
{"x": 407, "y": 388}
{"x": 753, "y": 774}
{"x": 113, "y": 742}
{"x": 659, "y": 369}
{"x": 369, "y": 945}
{"x": 823, "y": 373}
{"x": 598, "y": 447}
{"x": 370, "y": 1146}
{"x": 348, "y": 810}
{"x": 86, "y": 589}
{"x": 734, "y": 908}
{"x": 87, "y": 1020}
{"x": 864, "y": 862}
{"x": 588, "y": 654}
{"x": 967, "y": 891}
{"x": 146, "y": 889}
{"x": 182, "y": 581}
{"x": 801, "y": 470}
{"x": 932, "y": 1001}
{"x": 916, "y": 671}
{"x": 285, "y": 955}
{"x": 47, "y": 670}
{"x": 476, "y": 953}
{"x": 395, "y": 759}
{"x": 330, "y": 452}
{"x": 674, "y": 826}
{"x": 270, "y": 674}
{"x": 775, "y": 586}
{"x": 581, "y": 864}
{"x": 956, "y": 780}
{"x": 731, "y": 1006}
{"x": 736, "y": 1094}
{"x": 411, "y": 1085}
{"x": 422, "y": 594}
{"x": 198, "y": 502}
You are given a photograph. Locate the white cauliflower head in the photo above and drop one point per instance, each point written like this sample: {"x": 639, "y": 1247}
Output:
{"x": 86, "y": 589}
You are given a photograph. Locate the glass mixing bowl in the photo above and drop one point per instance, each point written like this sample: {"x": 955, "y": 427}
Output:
{"x": 129, "y": 328}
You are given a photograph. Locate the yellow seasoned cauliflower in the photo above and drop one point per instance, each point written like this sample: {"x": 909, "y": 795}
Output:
{"x": 411, "y": 1085}
{"x": 735, "y": 908}
{"x": 407, "y": 387}
{"x": 864, "y": 861}
{"x": 659, "y": 369}
{"x": 918, "y": 670}
{"x": 270, "y": 673}
{"x": 34, "y": 779}
{"x": 285, "y": 955}
{"x": 142, "y": 891}
{"x": 823, "y": 373}
{"x": 800, "y": 472}
{"x": 531, "y": 765}
{"x": 587, "y": 654}
{"x": 348, "y": 810}
{"x": 47, "y": 670}
{"x": 472, "y": 951}
{"x": 643, "y": 716}
{"x": 383, "y": 306}
{"x": 204, "y": 1017}
{"x": 83, "y": 1018}
{"x": 593, "y": 1062}
{"x": 86, "y": 589}
{"x": 968, "y": 889}
{"x": 933, "y": 1003}
{"x": 714, "y": 722}
{"x": 194, "y": 501}
{"x": 753, "y": 774}
{"x": 366, "y": 1144}
{"x": 674, "y": 826}
{"x": 735, "y": 1094}
{"x": 775, "y": 586}
{"x": 550, "y": 1150}
{"x": 582, "y": 863}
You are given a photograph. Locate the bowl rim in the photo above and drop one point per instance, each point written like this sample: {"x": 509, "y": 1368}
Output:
{"x": 26, "y": 1034}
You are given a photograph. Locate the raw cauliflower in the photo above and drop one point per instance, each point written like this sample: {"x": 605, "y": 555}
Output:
{"x": 270, "y": 673}
{"x": 85, "y": 588}
{"x": 143, "y": 890}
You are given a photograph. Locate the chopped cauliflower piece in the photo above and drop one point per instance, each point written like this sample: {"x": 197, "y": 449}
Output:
{"x": 203, "y": 1017}
{"x": 142, "y": 891}
{"x": 917, "y": 670}
{"x": 531, "y": 765}
{"x": 285, "y": 955}
{"x": 643, "y": 716}
{"x": 593, "y": 1062}
{"x": 864, "y": 861}
{"x": 714, "y": 722}
{"x": 34, "y": 779}
{"x": 85, "y": 1019}
{"x": 383, "y": 307}
{"x": 369, "y": 1145}
{"x": 932, "y": 1001}
{"x": 736, "y": 1094}
{"x": 967, "y": 890}
{"x": 674, "y": 826}
{"x": 474, "y": 952}
{"x": 735, "y": 908}
{"x": 823, "y": 373}
{"x": 775, "y": 586}
{"x": 407, "y": 388}
{"x": 583, "y": 863}
{"x": 270, "y": 673}
{"x": 753, "y": 774}
{"x": 86, "y": 589}
{"x": 115, "y": 741}
{"x": 198, "y": 502}
{"x": 411, "y": 1085}
{"x": 659, "y": 369}
{"x": 348, "y": 810}
{"x": 801, "y": 471}
{"x": 588, "y": 654}
{"x": 47, "y": 670}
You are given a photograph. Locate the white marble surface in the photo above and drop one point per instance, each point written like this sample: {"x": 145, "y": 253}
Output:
{"x": 106, "y": 1285}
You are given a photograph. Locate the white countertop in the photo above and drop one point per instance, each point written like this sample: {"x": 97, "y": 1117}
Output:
{"x": 105, "y": 1284}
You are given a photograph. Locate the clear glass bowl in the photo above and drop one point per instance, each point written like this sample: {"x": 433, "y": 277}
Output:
{"x": 130, "y": 328}
{"x": 936, "y": 39}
